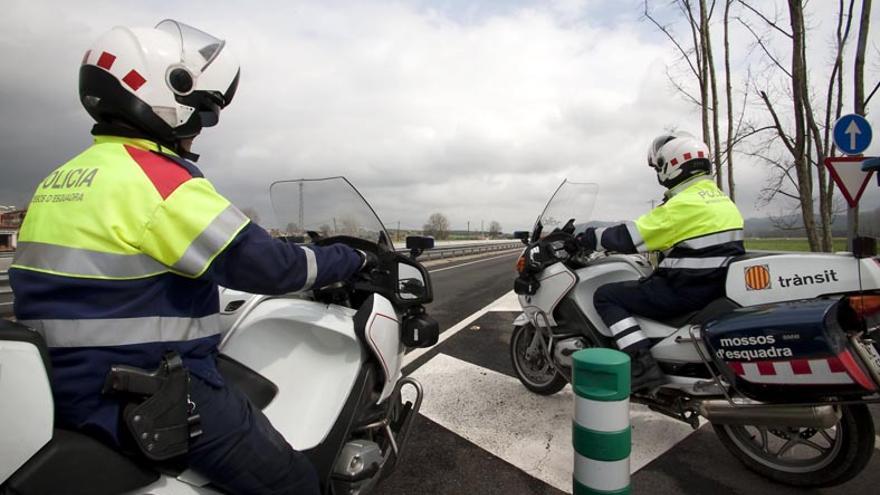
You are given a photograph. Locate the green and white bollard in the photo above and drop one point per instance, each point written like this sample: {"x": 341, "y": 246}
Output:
{"x": 601, "y": 429}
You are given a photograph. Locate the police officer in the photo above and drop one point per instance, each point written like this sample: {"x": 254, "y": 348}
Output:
{"x": 697, "y": 227}
{"x": 124, "y": 246}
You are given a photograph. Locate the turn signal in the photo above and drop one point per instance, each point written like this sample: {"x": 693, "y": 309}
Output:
{"x": 865, "y": 305}
{"x": 521, "y": 264}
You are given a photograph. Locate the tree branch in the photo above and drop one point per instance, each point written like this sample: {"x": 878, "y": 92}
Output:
{"x": 766, "y": 19}
{"x": 868, "y": 99}
{"x": 665, "y": 30}
{"x": 681, "y": 89}
{"x": 740, "y": 137}
{"x": 778, "y": 125}
{"x": 842, "y": 35}
{"x": 764, "y": 47}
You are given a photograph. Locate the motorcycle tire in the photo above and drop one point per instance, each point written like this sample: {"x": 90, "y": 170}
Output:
{"x": 547, "y": 380}
{"x": 847, "y": 455}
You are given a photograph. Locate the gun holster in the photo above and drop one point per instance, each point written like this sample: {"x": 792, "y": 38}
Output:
{"x": 159, "y": 415}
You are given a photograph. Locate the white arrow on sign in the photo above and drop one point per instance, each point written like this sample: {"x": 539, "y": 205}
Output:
{"x": 848, "y": 175}
{"x": 853, "y": 131}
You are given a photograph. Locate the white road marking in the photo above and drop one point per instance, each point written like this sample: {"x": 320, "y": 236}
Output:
{"x": 470, "y": 263}
{"x": 412, "y": 356}
{"x": 508, "y": 302}
{"x": 532, "y": 432}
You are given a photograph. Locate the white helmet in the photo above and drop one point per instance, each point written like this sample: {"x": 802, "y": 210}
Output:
{"x": 676, "y": 157}
{"x": 167, "y": 82}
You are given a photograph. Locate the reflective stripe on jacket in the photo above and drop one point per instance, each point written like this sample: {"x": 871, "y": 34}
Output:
{"x": 698, "y": 228}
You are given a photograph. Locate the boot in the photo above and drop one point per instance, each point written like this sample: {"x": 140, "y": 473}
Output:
{"x": 646, "y": 374}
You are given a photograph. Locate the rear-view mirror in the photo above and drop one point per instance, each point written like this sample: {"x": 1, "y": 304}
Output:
{"x": 410, "y": 282}
{"x": 419, "y": 242}
{"x": 522, "y": 235}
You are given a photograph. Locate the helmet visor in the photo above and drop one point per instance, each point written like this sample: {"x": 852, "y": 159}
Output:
{"x": 197, "y": 48}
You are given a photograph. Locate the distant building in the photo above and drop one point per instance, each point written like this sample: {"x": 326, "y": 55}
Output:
{"x": 10, "y": 222}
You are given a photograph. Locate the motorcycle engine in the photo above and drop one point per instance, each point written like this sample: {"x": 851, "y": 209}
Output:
{"x": 563, "y": 350}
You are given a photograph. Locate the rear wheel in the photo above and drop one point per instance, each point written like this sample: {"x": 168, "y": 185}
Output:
{"x": 805, "y": 456}
{"x": 534, "y": 370}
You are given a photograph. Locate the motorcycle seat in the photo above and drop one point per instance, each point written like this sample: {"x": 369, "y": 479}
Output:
{"x": 71, "y": 462}
{"x": 678, "y": 321}
{"x": 712, "y": 310}
{"x": 74, "y": 463}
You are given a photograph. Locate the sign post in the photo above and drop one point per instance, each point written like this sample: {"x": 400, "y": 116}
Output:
{"x": 852, "y": 136}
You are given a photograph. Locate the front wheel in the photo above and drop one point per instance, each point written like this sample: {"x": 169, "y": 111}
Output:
{"x": 535, "y": 371}
{"x": 805, "y": 457}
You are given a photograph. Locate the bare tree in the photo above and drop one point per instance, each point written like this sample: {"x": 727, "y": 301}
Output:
{"x": 806, "y": 144}
{"x": 437, "y": 226}
{"x": 728, "y": 145}
{"x": 698, "y": 56}
{"x": 859, "y": 64}
{"x": 859, "y": 85}
{"x": 494, "y": 229}
{"x": 251, "y": 213}
{"x": 835, "y": 90}
{"x": 709, "y": 66}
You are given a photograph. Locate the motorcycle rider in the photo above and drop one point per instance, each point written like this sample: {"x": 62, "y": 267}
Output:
{"x": 123, "y": 248}
{"x": 697, "y": 227}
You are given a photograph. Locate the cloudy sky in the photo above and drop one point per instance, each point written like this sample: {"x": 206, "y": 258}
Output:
{"x": 476, "y": 109}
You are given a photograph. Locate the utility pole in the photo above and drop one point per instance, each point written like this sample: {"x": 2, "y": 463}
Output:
{"x": 398, "y": 231}
{"x": 468, "y": 229}
{"x": 481, "y": 229}
{"x": 301, "y": 225}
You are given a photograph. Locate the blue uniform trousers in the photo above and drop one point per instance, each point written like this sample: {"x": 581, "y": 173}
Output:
{"x": 654, "y": 298}
{"x": 240, "y": 451}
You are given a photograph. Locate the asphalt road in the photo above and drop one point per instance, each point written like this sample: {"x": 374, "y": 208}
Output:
{"x": 437, "y": 461}
{"x": 481, "y": 432}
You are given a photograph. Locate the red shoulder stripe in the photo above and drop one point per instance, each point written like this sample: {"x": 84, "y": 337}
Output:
{"x": 165, "y": 175}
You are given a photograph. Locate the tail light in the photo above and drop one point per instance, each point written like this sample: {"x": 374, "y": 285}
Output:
{"x": 855, "y": 371}
{"x": 521, "y": 264}
{"x": 865, "y": 306}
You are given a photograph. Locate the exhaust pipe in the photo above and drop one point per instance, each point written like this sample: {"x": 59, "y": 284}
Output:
{"x": 723, "y": 412}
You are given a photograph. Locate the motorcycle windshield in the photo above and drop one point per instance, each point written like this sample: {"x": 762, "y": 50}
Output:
{"x": 572, "y": 202}
{"x": 312, "y": 209}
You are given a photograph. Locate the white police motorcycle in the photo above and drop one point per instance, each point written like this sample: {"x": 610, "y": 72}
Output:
{"x": 782, "y": 367}
{"x": 324, "y": 365}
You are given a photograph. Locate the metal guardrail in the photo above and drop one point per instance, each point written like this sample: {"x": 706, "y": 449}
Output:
{"x": 463, "y": 250}
{"x": 431, "y": 254}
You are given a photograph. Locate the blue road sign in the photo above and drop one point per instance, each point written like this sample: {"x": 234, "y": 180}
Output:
{"x": 852, "y": 134}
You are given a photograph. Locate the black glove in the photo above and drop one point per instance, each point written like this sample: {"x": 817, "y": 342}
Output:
{"x": 587, "y": 239}
{"x": 550, "y": 250}
{"x": 571, "y": 245}
{"x": 559, "y": 248}
{"x": 370, "y": 261}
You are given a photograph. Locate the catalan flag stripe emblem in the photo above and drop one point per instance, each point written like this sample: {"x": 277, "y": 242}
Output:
{"x": 757, "y": 277}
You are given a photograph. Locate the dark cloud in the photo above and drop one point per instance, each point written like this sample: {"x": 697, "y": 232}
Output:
{"x": 478, "y": 115}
